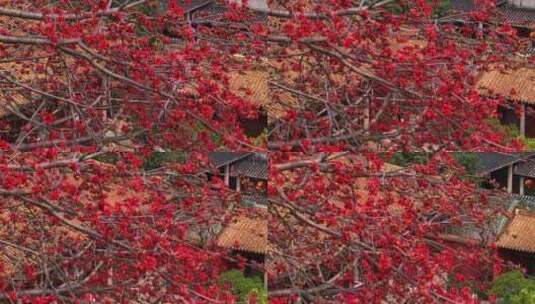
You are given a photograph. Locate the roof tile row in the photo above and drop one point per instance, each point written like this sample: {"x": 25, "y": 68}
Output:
{"x": 520, "y": 233}
{"x": 245, "y": 234}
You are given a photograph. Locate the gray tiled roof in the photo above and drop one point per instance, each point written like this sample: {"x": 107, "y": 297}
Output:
{"x": 255, "y": 199}
{"x": 213, "y": 10}
{"x": 516, "y": 16}
{"x": 492, "y": 161}
{"x": 526, "y": 168}
{"x": 255, "y": 165}
{"x": 505, "y": 13}
{"x": 467, "y": 6}
{"x": 463, "y": 6}
{"x": 206, "y": 9}
{"x": 222, "y": 158}
{"x": 248, "y": 164}
{"x": 488, "y": 162}
{"x": 528, "y": 198}
{"x": 523, "y": 200}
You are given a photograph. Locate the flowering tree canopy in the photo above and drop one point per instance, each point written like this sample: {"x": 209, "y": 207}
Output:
{"x": 93, "y": 91}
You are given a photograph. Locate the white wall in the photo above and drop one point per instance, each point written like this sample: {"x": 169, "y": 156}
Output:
{"x": 522, "y": 3}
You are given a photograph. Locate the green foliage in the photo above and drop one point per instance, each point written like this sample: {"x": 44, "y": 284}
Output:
{"x": 152, "y": 8}
{"x": 524, "y": 297}
{"x": 158, "y": 159}
{"x": 442, "y": 8}
{"x": 243, "y": 286}
{"x": 261, "y": 139}
{"x": 513, "y": 287}
{"x": 468, "y": 160}
{"x": 404, "y": 159}
{"x": 512, "y": 132}
{"x": 199, "y": 128}
{"x": 108, "y": 158}
{"x": 395, "y": 7}
{"x": 157, "y": 43}
{"x": 153, "y": 161}
{"x": 529, "y": 142}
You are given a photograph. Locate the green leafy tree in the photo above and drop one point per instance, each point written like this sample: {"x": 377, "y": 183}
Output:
{"x": 404, "y": 159}
{"x": 513, "y": 287}
{"x": 512, "y": 132}
{"x": 245, "y": 287}
{"x": 468, "y": 160}
{"x": 158, "y": 159}
{"x": 524, "y": 297}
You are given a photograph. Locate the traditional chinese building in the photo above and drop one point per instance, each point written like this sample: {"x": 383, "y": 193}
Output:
{"x": 245, "y": 172}
{"x": 519, "y": 13}
{"x": 514, "y": 172}
{"x": 516, "y": 243}
{"x": 516, "y": 86}
{"x": 247, "y": 236}
{"x": 246, "y": 233}
{"x": 515, "y": 236}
